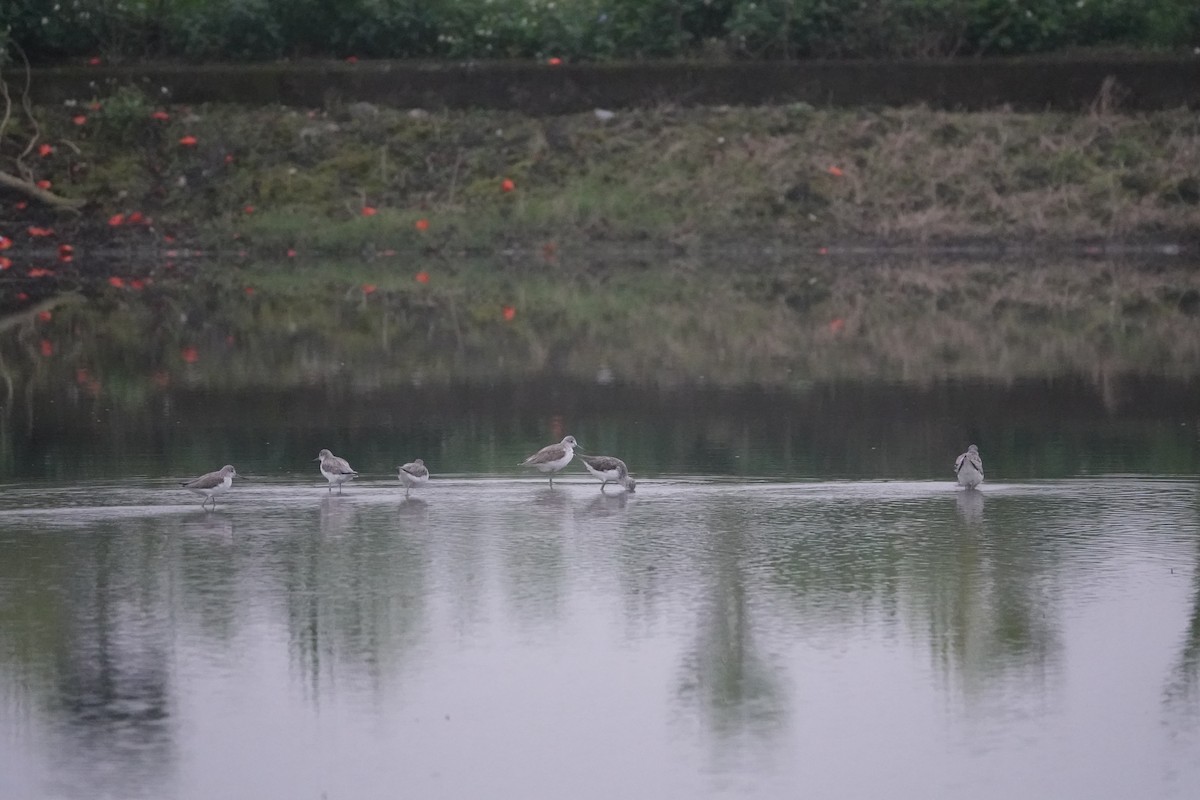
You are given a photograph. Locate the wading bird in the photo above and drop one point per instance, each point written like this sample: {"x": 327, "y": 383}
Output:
{"x": 969, "y": 468}
{"x": 413, "y": 474}
{"x": 553, "y": 457}
{"x": 212, "y": 484}
{"x": 609, "y": 470}
{"x": 335, "y": 470}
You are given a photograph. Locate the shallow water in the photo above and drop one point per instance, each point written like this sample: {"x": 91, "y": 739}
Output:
{"x": 490, "y": 636}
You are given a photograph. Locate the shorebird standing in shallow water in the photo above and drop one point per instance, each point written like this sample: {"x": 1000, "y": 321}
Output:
{"x": 553, "y": 457}
{"x": 969, "y": 468}
{"x": 212, "y": 484}
{"x": 413, "y": 474}
{"x": 335, "y": 470}
{"x": 609, "y": 470}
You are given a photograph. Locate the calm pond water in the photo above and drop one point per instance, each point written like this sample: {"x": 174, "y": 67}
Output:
{"x": 796, "y": 600}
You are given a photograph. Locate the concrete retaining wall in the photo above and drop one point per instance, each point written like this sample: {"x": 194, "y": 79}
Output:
{"x": 1027, "y": 84}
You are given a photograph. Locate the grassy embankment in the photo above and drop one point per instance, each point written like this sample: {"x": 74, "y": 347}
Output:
{"x": 792, "y": 175}
{"x": 663, "y": 244}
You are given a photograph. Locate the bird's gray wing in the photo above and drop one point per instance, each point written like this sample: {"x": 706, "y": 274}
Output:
{"x": 208, "y": 481}
{"x": 416, "y": 470}
{"x": 551, "y": 452}
{"x": 338, "y": 466}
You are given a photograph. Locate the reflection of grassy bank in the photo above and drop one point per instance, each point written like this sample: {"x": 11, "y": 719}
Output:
{"x": 685, "y": 177}
{"x": 660, "y": 323}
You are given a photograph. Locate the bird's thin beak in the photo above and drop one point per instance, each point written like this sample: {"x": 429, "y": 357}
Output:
{"x": 318, "y": 458}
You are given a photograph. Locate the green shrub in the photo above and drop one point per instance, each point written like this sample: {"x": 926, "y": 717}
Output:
{"x": 588, "y": 29}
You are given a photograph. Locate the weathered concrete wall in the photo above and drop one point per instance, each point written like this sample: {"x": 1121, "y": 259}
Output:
{"x": 1030, "y": 84}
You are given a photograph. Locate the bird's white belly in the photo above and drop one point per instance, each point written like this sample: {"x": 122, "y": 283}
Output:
{"x": 969, "y": 476}
{"x": 220, "y": 488}
{"x": 555, "y": 466}
{"x": 413, "y": 480}
{"x": 335, "y": 477}
{"x": 603, "y": 474}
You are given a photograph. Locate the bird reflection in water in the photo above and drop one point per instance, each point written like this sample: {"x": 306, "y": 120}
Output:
{"x": 969, "y": 504}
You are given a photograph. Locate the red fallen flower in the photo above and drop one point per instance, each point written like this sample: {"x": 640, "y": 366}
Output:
{"x": 137, "y": 285}
{"x": 116, "y": 282}
{"x": 422, "y": 277}
{"x": 160, "y": 115}
{"x": 22, "y": 296}
{"x": 369, "y": 211}
{"x": 822, "y": 251}
{"x": 351, "y": 59}
{"x": 94, "y": 61}
{"x": 45, "y": 150}
{"x": 116, "y": 220}
{"x": 22, "y": 205}
{"x": 510, "y": 313}
{"x": 554, "y": 61}
{"x": 291, "y": 252}
{"x": 190, "y": 355}
{"x": 40, "y": 272}
{"x": 44, "y": 184}
{"x": 5, "y": 262}
{"x": 5, "y": 242}
{"x": 79, "y": 119}
{"x": 836, "y": 172}
{"x": 188, "y": 141}
{"x": 47, "y": 348}
{"x": 229, "y": 158}
{"x": 44, "y": 316}
{"x": 836, "y": 325}
{"x": 134, "y": 218}
{"x": 369, "y": 288}
{"x": 248, "y": 209}
{"x": 65, "y": 249}
{"x": 507, "y": 185}
{"x": 421, "y": 224}
{"x": 168, "y": 238}
{"x": 249, "y": 290}
{"x": 37, "y": 232}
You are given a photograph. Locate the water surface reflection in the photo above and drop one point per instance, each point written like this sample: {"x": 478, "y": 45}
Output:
{"x": 699, "y": 638}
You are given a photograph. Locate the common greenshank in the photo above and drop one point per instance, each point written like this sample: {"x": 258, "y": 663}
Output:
{"x": 413, "y": 474}
{"x": 969, "y": 468}
{"x": 553, "y": 457}
{"x": 335, "y": 470}
{"x": 609, "y": 470}
{"x": 212, "y": 484}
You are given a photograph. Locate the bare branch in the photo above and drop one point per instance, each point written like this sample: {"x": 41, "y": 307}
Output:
{"x": 49, "y": 198}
